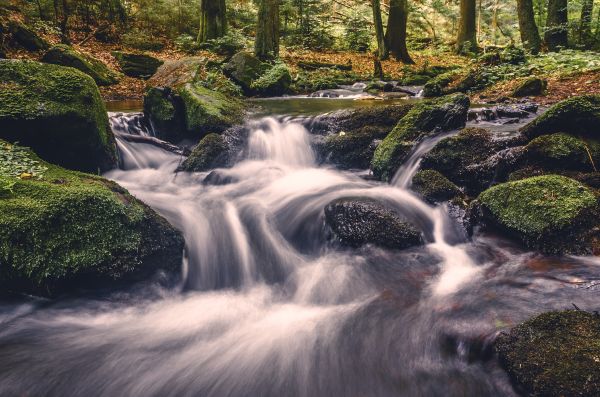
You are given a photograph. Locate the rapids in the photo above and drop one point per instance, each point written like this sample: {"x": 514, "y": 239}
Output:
{"x": 268, "y": 307}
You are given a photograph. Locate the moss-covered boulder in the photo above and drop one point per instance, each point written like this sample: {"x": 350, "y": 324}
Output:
{"x": 244, "y": 69}
{"x": 58, "y": 112}
{"x": 211, "y": 152}
{"x": 434, "y": 187}
{"x": 63, "y": 229}
{"x": 576, "y": 116}
{"x": 530, "y": 87}
{"x": 65, "y": 55}
{"x": 437, "y": 86}
{"x": 561, "y": 152}
{"x": 554, "y": 354}
{"x": 25, "y": 37}
{"x": 424, "y": 119}
{"x": 358, "y": 221}
{"x": 274, "y": 82}
{"x": 137, "y": 65}
{"x": 551, "y": 213}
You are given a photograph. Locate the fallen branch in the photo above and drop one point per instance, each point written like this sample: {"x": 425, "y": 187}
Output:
{"x": 169, "y": 147}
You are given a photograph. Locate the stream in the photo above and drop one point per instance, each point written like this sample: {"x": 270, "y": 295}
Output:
{"x": 269, "y": 307}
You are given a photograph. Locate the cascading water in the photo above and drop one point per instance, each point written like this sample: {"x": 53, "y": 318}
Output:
{"x": 270, "y": 308}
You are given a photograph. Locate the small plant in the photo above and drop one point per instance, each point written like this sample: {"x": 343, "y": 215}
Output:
{"x": 232, "y": 42}
{"x": 186, "y": 43}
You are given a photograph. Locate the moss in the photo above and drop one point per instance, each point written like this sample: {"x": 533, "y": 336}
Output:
{"x": 576, "y": 116}
{"x": 67, "y": 56}
{"x": 158, "y": 105}
{"x": 244, "y": 68}
{"x": 441, "y": 114}
{"x": 547, "y": 212}
{"x": 530, "y": 87}
{"x": 436, "y": 86}
{"x": 322, "y": 79}
{"x": 275, "y": 81}
{"x": 434, "y": 187}
{"x": 559, "y": 152}
{"x": 26, "y": 37}
{"x": 210, "y": 153}
{"x": 58, "y": 112}
{"x": 63, "y": 226}
{"x": 554, "y": 354}
{"x": 137, "y": 65}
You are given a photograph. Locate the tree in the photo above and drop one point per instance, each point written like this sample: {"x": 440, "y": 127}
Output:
{"x": 585, "y": 25}
{"x": 530, "y": 36}
{"x": 213, "y": 20}
{"x": 556, "y": 25}
{"x": 467, "y": 30}
{"x": 382, "y": 50}
{"x": 396, "y": 31}
{"x": 267, "y": 30}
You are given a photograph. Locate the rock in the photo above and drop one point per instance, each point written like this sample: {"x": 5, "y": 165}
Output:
{"x": 424, "y": 119}
{"x": 175, "y": 72}
{"x": 359, "y": 221}
{"x": 61, "y": 230}
{"x": 26, "y": 37}
{"x": 434, "y": 187}
{"x": 516, "y": 110}
{"x": 436, "y": 86}
{"x": 58, "y": 112}
{"x": 551, "y": 213}
{"x": 530, "y": 87}
{"x": 576, "y": 116}
{"x": 274, "y": 82}
{"x": 351, "y": 149}
{"x": 554, "y": 354}
{"x": 137, "y": 65}
{"x": 513, "y": 55}
{"x": 244, "y": 68}
{"x": 65, "y": 55}
{"x": 456, "y": 81}
{"x": 561, "y": 152}
{"x": 210, "y": 153}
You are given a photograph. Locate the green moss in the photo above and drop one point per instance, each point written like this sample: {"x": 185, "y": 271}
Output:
{"x": 436, "y": 86}
{"x": 157, "y": 104}
{"x": 275, "y": 81}
{"x": 58, "y": 112}
{"x": 554, "y": 354}
{"x": 67, "y": 56}
{"x": 307, "y": 82}
{"x": 547, "y": 212}
{"x": 441, "y": 114}
{"x": 64, "y": 225}
{"x": 210, "y": 153}
{"x": 434, "y": 186}
{"x": 530, "y": 86}
{"x": 559, "y": 152}
{"x": 244, "y": 68}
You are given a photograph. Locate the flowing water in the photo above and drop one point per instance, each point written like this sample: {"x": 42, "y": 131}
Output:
{"x": 268, "y": 306}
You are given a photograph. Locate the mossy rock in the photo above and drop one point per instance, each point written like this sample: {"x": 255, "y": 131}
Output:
{"x": 25, "y": 37}
{"x": 561, "y": 152}
{"x": 65, "y": 55}
{"x": 576, "y": 116}
{"x": 244, "y": 69}
{"x": 176, "y": 72}
{"x": 434, "y": 187}
{"x": 438, "y": 85}
{"x": 359, "y": 221}
{"x": 551, "y": 213}
{"x": 424, "y": 119}
{"x": 513, "y": 55}
{"x": 530, "y": 87}
{"x": 58, "y": 112}
{"x": 274, "y": 82}
{"x": 63, "y": 229}
{"x": 211, "y": 152}
{"x": 137, "y": 65}
{"x": 554, "y": 354}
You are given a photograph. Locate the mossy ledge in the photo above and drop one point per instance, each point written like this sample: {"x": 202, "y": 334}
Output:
{"x": 61, "y": 230}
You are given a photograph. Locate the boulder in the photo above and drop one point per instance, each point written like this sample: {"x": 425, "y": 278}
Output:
{"x": 26, "y": 37}
{"x": 530, "y": 87}
{"x": 175, "y": 72}
{"x": 137, "y": 65}
{"x": 576, "y": 116}
{"x": 58, "y": 112}
{"x": 358, "y": 221}
{"x": 244, "y": 68}
{"x": 211, "y": 152}
{"x": 434, "y": 187}
{"x": 554, "y": 354}
{"x": 61, "y": 230}
{"x": 560, "y": 152}
{"x": 274, "y": 82}
{"x": 552, "y": 213}
{"x": 65, "y": 55}
{"x": 424, "y": 119}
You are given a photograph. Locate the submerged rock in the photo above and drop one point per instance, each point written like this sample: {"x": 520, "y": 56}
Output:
{"x": 530, "y": 87}
{"x": 137, "y": 65}
{"x": 554, "y": 354}
{"x": 26, "y": 37}
{"x": 211, "y": 152}
{"x": 65, "y": 55}
{"x": 58, "y": 112}
{"x": 551, "y": 213}
{"x": 434, "y": 187}
{"x": 424, "y": 119}
{"x": 61, "y": 229}
{"x": 359, "y": 221}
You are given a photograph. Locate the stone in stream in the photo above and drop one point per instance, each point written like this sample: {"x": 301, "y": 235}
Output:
{"x": 58, "y": 112}
{"x": 137, "y": 65}
{"x": 554, "y": 354}
{"x": 358, "y": 221}
{"x": 530, "y": 87}
{"x": 61, "y": 230}
{"x": 65, "y": 55}
{"x": 434, "y": 187}
{"x": 211, "y": 152}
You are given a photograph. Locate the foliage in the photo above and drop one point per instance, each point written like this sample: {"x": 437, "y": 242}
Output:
{"x": 357, "y": 33}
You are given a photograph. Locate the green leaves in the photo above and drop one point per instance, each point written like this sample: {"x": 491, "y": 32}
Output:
{"x": 16, "y": 162}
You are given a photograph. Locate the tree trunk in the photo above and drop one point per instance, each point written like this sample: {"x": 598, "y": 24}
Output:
{"x": 467, "y": 30}
{"x": 556, "y": 25}
{"x": 267, "y": 30}
{"x": 213, "y": 20}
{"x": 396, "y": 31}
{"x": 530, "y": 36}
{"x": 585, "y": 26}
{"x": 382, "y": 50}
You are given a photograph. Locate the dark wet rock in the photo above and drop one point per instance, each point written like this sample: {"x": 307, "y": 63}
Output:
{"x": 551, "y": 213}
{"x": 530, "y": 87}
{"x": 25, "y": 37}
{"x": 65, "y": 55}
{"x": 554, "y": 354}
{"x": 517, "y": 110}
{"x": 137, "y": 65}
{"x": 434, "y": 187}
{"x": 218, "y": 178}
{"x": 424, "y": 119}
{"x": 244, "y": 68}
{"x": 58, "y": 112}
{"x": 210, "y": 153}
{"x": 359, "y": 221}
